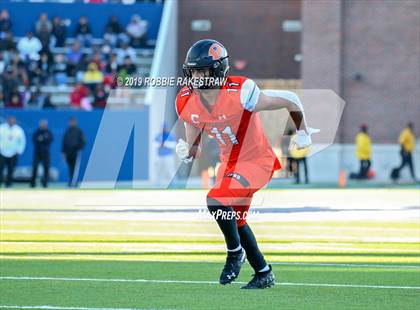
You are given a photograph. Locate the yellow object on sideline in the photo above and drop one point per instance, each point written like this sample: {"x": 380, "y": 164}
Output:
{"x": 363, "y": 146}
{"x": 407, "y": 140}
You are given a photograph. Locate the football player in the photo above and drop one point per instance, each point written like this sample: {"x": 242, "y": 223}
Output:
{"x": 228, "y": 111}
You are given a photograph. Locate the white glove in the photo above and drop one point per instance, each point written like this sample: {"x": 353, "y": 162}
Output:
{"x": 303, "y": 138}
{"x": 182, "y": 149}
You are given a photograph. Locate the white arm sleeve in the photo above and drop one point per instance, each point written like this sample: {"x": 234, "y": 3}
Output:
{"x": 250, "y": 93}
{"x": 285, "y": 94}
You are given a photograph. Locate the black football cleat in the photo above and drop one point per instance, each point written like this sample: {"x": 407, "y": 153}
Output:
{"x": 232, "y": 267}
{"x": 261, "y": 280}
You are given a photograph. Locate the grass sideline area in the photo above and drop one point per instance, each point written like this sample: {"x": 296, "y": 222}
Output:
{"x": 121, "y": 249}
{"x": 186, "y": 285}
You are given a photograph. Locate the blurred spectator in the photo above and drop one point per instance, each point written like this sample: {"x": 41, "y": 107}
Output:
{"x": 5, "y": 23}
{"x": 363, "y": 153}
{"x": 93, "y": 76}
{"x": 83, "y": 32}
{"x": 74, "y": 56}
{"x": 137, "y": 30}
{"x": 112, "y": 64}
{"x": 15, "y": 102}
{"x": 109, "y": 82}
{"x": 43, "y": 28}
{"x": 114, "y": 33}
{"x": 20, "y": 69}
{"x": 36, "y": 98}
{"x": 82, "y": 67}
{"x": 79, "y": 92}
{"x": 9, "y": 83}
{"x": 6, "y": 42}
{"x": 32, "y": 70}
{"x": 47, "y": 104}
{"x": 47, "y": 41}
{"x": 42, "y": 139}
{"x": 73, "y": 143}
{"x": 43, "y": 24}
{"x": 29, "y": 47}
{"x": 124, "y": 51}
{"x": 44, "y": 68}
{"x": 407, "y": 142}
{"x": 59, "y": 69}
{"x": 97, "y": 59}
{"x": 3, "y": 63}
{"x": 12, "y": 144}
{"x": 127, "y": 68}
{"x": 100, "y": 97}
{"x": 59, "y": 31}
{"x": 106, "y": 47}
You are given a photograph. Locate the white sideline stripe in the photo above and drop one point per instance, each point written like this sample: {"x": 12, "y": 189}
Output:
{"x": 299, "y": 264}
{"x": 204, "y": 282}
{"x": 60, "y": 308}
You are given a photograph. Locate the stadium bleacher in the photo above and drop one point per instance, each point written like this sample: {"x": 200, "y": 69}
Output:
{"x": 52, "y": 91}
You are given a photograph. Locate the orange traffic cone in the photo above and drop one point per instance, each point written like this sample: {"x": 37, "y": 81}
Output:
{"x": 342, "y": 179}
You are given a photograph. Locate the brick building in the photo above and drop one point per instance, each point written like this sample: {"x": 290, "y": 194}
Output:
{"x": 369, "y": 53}
{"x": 251, "y": 30}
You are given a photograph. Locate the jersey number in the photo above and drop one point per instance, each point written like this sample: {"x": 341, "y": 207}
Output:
{"x": 227, "y": 131}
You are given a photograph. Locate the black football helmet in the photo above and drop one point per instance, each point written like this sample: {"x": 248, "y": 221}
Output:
{"x": 207, "y": 54}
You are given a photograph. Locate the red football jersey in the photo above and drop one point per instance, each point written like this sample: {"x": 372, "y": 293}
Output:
{"x": 231, "y": 121}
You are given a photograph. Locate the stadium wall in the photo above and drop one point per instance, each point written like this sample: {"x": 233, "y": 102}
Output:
{"x": 325, "y": 166}
{"x": 89, "y": 122}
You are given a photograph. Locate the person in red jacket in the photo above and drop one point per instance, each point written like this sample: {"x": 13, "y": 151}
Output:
{"x": 79, "y": 92}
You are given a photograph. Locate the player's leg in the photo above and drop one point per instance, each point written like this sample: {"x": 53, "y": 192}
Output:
{"x": 11, "y": 164}
{"x": 236, "y": 256}
{"x": 257, "y": 176}
{"x": 249, "y": 243}
{"x": 46, "y": 165}
{"x": 219, "y": 201}
{"x": 35, "y": 164}
{"x": 411, "y": 166}
{"x": 223, "y": 215}
{"x": 263, "y": 276}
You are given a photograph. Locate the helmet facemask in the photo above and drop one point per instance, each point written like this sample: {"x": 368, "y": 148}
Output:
{"x": 212, "y": 80}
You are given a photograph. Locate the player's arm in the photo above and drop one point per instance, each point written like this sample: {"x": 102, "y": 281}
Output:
{"x": 276, "y": 100}
{"x": 283, "y": 100}
{"x": 189, "y": 149}
{"x": 252, "y": 99}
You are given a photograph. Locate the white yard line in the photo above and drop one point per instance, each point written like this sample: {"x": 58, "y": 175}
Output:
{"x": 204, "y": 282}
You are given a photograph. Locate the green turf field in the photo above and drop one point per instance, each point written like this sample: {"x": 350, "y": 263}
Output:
{"x": 178, "y": 285}
{"x": 330, "y": 249}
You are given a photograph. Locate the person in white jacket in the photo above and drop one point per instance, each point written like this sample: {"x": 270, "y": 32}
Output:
{"x": 12, "y": 144}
